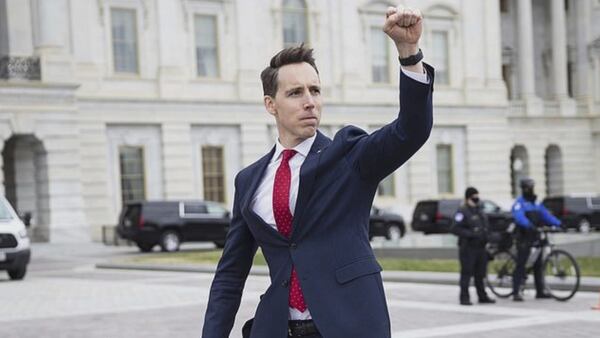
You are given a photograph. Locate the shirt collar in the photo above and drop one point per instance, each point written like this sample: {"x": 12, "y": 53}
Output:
{"x": 303, "y": 148}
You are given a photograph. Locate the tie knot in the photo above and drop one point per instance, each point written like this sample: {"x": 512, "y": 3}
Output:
{"x": 288, "y": 154}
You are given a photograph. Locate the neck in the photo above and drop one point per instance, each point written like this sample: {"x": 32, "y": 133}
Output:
{"x": 290, "y": 142}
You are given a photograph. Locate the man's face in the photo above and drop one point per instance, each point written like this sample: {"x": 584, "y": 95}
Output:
{"x": 473, "y": 200}
{"x": 297, "y": 103}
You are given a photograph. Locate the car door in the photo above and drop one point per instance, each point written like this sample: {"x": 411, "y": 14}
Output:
{"x": 194, "y": 219}
{"x": 595, "y": 206}
{"x": 206, "y": 221}
{"x": 376, "y": 223}
{"x": 445, "y": 215}
{"x": 219, "y": 219}
{"x": 497, "y": 219}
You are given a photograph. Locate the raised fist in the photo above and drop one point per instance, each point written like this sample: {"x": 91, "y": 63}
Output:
{"x": 404, "y": 26}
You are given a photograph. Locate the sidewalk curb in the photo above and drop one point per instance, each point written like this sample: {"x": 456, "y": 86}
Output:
{"x": 590, "y": 284}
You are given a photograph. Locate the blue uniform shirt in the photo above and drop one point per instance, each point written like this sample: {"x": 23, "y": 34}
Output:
{"x": 522, "y": 206}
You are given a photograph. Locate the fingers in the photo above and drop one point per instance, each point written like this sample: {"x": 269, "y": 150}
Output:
{"x": 390, "y": 11}
{"x": 404, "y": 16}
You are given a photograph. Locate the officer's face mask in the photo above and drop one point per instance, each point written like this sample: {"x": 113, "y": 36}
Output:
{"x": 475, "y": 200}
{"x": 529, "y": 195}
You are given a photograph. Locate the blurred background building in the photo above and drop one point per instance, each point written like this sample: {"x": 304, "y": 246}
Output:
{"x": 107, "y": 101}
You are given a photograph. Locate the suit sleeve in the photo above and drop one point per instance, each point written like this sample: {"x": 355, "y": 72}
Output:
{"x": 230, "y": 277}
{"x": 377, "y": 155}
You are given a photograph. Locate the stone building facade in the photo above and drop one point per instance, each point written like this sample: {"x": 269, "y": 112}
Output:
{"x": 104, "y": 101}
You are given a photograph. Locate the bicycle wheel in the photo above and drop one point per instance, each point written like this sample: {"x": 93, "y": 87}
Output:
{"x": 500, "y": 273}
{"x": 561, "y": 275}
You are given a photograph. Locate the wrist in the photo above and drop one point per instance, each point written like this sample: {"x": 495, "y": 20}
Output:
{"x": 407, "y": 49}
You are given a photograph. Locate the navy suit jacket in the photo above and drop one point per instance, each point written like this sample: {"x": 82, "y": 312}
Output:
{"x": 329, "y": 244}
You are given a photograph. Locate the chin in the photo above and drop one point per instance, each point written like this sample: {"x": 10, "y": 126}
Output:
{"x": 310, "y": 133}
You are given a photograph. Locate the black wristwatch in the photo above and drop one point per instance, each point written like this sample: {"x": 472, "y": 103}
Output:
{"x": 412, "y": 60}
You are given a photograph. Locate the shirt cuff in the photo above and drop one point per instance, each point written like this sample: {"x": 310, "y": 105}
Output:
{"x": 420, "y": 77}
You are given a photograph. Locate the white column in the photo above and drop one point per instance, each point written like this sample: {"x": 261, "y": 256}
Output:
{"x": 51, "y": 26}
{"x": 559, "y": 57}
{"x": 177, "y": 165}
{"x": 526, "y": 58}
{"x": 51, "y": 39}
{"x": 171, "y": 72}
{"x": 493, "y": 45}
{"x": 584, "y": 83}
{"x": 493, "y": 49}
{"x": 252, "y": 60}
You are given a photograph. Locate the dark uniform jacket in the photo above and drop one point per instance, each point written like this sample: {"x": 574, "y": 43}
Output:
{"x": 471, "y": 226}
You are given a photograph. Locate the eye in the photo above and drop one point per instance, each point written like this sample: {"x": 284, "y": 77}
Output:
{"x": 316, "y": 91}
{"x": 295, "y": 92}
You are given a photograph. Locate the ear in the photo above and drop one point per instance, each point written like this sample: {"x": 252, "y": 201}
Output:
{"x": 270, "y": 105}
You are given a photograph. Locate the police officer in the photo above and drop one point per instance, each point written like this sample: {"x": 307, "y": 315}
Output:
{"x": 471, "y": 226}
{"x": 528, "y": 215}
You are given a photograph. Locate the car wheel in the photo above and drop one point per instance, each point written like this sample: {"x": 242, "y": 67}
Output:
{"x": 220, "y": 244}
{"x": 145, "y": 247}
{"x": 584, "y": 225}
{"x": 170, "y": 241}
{"x": 394, "y": 233}
{"x": 17, "y": 273}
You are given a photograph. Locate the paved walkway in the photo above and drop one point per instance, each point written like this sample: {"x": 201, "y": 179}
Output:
{"x": 65, "y": 295}
{"x": 87, "y": 302}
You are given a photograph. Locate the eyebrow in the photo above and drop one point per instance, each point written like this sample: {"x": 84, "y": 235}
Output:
{"x": 293, "y": 89}
{"x": 311, "y": 87}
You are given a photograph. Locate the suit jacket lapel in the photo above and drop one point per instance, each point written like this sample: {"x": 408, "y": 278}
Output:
{"x": 308, "y": 172}
{"x": 257, "y": 175}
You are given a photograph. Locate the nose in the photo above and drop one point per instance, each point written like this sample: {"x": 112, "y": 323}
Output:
{"x": 309, "y": 103}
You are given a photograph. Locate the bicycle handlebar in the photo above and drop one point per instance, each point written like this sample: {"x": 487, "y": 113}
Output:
{"x": 550, "y": 229}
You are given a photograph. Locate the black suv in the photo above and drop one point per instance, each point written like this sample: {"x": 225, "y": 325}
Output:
{"x": 581, "y": 213}
{"x": 170, "y": 223}
{"x": 386, "y": 224}
{"x": 435, "y": 216}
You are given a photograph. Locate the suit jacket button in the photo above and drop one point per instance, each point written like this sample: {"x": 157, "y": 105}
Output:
{"x": 285, "y": 283}
{"x": 293, "y": 246}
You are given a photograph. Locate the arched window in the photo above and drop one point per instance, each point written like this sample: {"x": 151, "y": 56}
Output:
{"x": 519, "y": 168}
{"x": 294, "y": 19}
{"x": 554, "y": 171}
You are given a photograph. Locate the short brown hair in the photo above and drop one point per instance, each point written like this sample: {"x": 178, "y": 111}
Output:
{"x": 284, "y": 57}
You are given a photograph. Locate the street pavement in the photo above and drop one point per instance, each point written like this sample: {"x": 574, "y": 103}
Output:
{"x": 64, "y": 295}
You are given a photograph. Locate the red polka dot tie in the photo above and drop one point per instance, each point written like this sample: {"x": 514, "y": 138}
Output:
{"x": 283, "y": 220}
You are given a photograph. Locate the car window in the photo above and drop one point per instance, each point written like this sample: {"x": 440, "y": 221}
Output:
{"x": 554, "y": 205}
{"x": 595, "y": 202}
{"x": 489, "y": 207}
{"x": 132, "y": 215}
{"x": 449, "y": 207}
{"x": 215, "y": 209}
{"x": 4, "y": 212}
{"x": 194, "y": 208}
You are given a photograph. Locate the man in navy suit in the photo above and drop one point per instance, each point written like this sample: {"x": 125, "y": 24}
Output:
{"x": 306, "y": 204}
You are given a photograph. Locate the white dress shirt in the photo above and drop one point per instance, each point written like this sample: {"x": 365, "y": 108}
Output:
{"x": 262, "y": 202}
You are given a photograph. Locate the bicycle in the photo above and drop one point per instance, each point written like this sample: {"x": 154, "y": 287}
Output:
{"x": 560, "y": 270}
